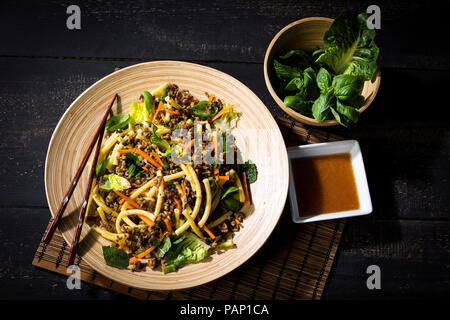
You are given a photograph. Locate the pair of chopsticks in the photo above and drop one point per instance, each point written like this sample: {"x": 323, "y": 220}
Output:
{"x": 51, "y": 229}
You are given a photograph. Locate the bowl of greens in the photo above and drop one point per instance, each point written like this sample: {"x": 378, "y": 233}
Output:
{"x": 324, "y": 72}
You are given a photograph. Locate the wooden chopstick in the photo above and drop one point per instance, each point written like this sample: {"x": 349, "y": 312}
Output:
{"x": 82, "y": 214}
{"x": 52, "y": 227}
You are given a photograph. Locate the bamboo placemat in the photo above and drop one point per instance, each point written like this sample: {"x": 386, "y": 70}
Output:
{"x": 293, "y": 264}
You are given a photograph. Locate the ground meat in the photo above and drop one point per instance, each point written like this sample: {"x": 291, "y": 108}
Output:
{"x": 216, "y": 241}
{"x": 122, "y": 169}
{"x": 101, "y": 181}
{"x": 204, "y": 171}
{"x": 184, "y": 98}
{"x": 235, "y": 227}
{"x": 223, "y": 227}
{"x": 139, "y": 265}
{"x": 172, "y": 90}
{"x": 148, "y": 205}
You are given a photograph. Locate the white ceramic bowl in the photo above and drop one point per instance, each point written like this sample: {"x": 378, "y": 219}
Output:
{"x": 328, "y": 148}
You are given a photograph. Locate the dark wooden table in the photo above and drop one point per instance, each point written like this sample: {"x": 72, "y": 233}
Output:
{"x": 404, "y": 135}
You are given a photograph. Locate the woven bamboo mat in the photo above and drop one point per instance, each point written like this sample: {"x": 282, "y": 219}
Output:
{"x": 293, "y": 264}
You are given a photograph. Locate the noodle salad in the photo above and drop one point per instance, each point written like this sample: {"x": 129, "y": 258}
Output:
{"x": 169, "y": 185}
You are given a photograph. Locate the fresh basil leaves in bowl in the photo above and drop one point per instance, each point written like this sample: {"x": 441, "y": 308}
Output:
{"x": 324, "y": 72}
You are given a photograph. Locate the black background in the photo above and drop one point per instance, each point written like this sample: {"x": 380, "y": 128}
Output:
{"x": 404, "y": 135}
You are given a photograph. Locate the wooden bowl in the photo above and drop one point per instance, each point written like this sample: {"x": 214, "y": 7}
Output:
{"x": 307, "y": 35}
{"x": 258, "y": 137}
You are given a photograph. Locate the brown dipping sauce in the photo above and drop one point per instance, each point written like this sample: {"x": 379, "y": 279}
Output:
{"x": 325, "y": 184}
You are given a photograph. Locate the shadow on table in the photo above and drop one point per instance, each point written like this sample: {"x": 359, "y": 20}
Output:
{"x": 402, "y": 134}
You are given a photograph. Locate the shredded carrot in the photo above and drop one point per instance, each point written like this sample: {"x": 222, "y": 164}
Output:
{"x": 125, "y": 150}
{"x": 172, "y": 112}
{"x": 158, "y": 159}
{"x": 160, "y": 107}
{"x": 121, "y": 245}
{"x": 221, "y": 112}
{"x": 147, "y": 157}
{"x": 206, "y": 229}
{"x": 132, "y": 203}
{"x": 147, "y": 220}
{"x": 177, "y": 202}
{"x": 122, "y": 200}
{"x": 183, "y": 188}
{"x": 142, "y": 255}
{"x": 145, "y": 169}
{"x": 168, "y": 225}
{"x": 216, "y": 171}
{"x": 237, "y": 221}
{"x": 248, "y": 201}
{"x": 209, "y": 232}
{"x": 211, "y": 97}
{"x": 224, "y": 178}
{"x": 128, "y": 199}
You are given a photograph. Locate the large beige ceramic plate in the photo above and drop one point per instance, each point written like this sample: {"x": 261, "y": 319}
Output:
{"x": 259, "y": 139}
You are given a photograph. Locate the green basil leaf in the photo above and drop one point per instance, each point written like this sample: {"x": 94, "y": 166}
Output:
{"x": 299, "y": 104}
{"x": 324, "y": 79}
{"x": 117, "y": 122}
{"x": 100, "y": 168}
{"x": 294, "y": 85}
{"x": 135, "y": 165}
{"x": 229, "y": 191}
{"x": 339, "y": 118}
{"x": 347, "y": 87}
{"x": 231, "y": 204}
{"x": 310, "y": 90}
{"x": 350, "y": 112}
{"x": 115, "y": 257}
{"x": 132, "y": 158}
{"x": 285, "y": 72}
{"x": 251, "y": 171}
{"x": 297, "y": 58}
{"x": 201, "y": 109}
{"x": 132, "y": 170}
{"x": 321, "y": 107}
{"x": 148, "y": 101}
